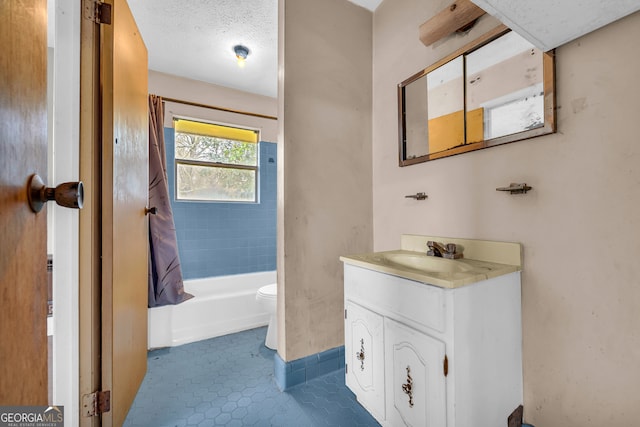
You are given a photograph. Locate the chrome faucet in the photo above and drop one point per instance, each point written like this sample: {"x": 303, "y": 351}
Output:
{"x": 443, "y": 251}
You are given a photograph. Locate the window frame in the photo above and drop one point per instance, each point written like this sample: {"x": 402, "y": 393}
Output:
{"x": 210, "y": 164}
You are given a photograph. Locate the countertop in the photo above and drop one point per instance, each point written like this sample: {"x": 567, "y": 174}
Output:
{"x": 446, "y": 273}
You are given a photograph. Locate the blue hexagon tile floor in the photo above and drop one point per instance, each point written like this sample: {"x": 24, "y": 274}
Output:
{"x": 228, "y": 381}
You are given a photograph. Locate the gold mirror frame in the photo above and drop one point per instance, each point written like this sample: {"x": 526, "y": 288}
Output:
{"x": 548, "y": 127}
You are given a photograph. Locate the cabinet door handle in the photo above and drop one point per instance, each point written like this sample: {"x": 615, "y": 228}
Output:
{"x": 360, "y": 354}
{"x": 407, "y": 388}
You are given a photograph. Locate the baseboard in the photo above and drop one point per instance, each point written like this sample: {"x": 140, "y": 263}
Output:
{"x": 288, "y": 374}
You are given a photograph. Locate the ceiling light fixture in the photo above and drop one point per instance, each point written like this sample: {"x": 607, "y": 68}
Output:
{"x": 241, "y": 53}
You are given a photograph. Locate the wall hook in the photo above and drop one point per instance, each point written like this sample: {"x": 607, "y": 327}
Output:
{"x": 417, "y": 196}
{"x": 514, "y": 188}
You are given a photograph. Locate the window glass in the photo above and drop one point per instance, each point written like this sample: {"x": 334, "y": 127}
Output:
{"x": 213, "y": 166}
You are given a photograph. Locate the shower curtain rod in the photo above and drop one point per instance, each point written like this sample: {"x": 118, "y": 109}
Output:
{"x": 213, "y": 107}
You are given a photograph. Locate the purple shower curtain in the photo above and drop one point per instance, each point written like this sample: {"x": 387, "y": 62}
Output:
{"x": 165, "y": 273}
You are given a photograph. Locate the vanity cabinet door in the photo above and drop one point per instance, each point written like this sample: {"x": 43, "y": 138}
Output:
{"x": 364, "y": 355}
{"x": 415, "y": 377}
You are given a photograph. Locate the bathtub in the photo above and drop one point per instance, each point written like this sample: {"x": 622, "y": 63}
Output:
{"x": 220, "y": 306}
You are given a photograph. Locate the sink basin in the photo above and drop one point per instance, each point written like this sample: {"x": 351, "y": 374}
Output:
{"x": 425, "y": 263}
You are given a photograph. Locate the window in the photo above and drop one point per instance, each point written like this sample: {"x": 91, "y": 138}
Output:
{"x": 215, "y": 162}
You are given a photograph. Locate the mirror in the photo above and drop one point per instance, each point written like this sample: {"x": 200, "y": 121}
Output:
{"x": 496, "y": 90}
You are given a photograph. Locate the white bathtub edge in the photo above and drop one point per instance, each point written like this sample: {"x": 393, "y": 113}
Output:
{"x": 219, "y": 329}
{"x": 222, "y": 305}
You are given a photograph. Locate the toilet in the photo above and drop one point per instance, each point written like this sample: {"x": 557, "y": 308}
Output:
{"x": 267, "y": 297}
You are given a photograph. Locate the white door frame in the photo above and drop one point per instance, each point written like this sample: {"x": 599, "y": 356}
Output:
{"x": 66, "y": 167}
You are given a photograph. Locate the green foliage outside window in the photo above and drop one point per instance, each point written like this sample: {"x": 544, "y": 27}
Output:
{"x": 211, "y": 168}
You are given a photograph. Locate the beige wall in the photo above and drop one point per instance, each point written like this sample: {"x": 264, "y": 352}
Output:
{"x": 184, "y": 89}
{"x": 324, "y": 159}
{"x": 580, "y": 226}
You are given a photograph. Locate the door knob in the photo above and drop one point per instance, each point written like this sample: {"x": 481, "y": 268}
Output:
{"x": 68, "y": 194}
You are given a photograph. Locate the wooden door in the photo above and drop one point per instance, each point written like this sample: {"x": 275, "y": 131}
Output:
{"x": 23, "y": 234}
{"x": 124, "y": 198}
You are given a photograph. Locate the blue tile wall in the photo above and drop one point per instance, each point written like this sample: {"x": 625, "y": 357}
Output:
{"x": 289, "y": 374}
{"x": 221, "y": 238}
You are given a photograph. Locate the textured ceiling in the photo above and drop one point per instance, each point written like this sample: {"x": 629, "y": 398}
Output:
{"x": 195, "y": 39}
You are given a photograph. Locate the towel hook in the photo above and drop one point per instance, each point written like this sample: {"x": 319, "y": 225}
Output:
{"x": 514, "y": 188}
{"x": 417, "y": 196}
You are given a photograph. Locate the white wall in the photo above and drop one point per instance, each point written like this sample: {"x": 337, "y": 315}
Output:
{"x": 579, "y": 227}
{"x": 184, "y": 89}
{"x": 324, "y": 161}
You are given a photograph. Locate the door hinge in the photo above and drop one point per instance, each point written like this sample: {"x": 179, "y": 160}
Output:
{"x": 445, "y": 365}
{"x": 346, "y": 368}
{"x": 96, "y": 403}
{"x": 345, "y": 313}
{"x": 97, "y": 11}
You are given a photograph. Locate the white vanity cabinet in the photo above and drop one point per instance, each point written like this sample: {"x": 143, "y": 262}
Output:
{"x": 426, "y": 356}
